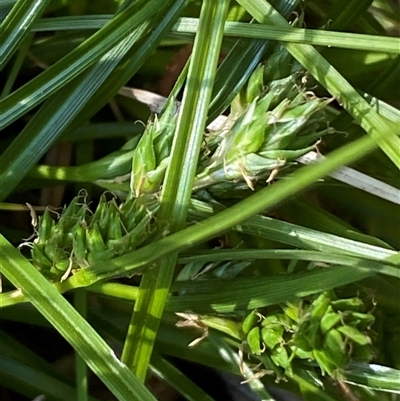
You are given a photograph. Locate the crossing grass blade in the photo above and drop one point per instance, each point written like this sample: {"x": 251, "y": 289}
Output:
{"x": 300, "y": 35}
{"x": 312, "y": 37}
{"x": 76, "y": 330}
{"x": 92, "y": 89}
{"x": 76, "y": 62}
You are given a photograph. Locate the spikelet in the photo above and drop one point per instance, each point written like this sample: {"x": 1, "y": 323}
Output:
{"x": 273, "y": 121}
{"x": 152, "y": 153}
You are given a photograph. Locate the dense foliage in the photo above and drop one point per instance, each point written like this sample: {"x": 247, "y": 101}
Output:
{"x": 187, "y": 227}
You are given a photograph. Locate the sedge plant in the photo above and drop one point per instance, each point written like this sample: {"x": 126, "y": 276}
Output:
{"x": 198, "y": 241}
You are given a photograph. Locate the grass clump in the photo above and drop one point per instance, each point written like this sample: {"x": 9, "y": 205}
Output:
{"x": 235, "y": 255}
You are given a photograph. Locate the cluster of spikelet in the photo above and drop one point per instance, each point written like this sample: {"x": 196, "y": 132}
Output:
{"x": 324, "y": 330}
{"x": 79, "y": 237}
{"x": 273, "y": 121}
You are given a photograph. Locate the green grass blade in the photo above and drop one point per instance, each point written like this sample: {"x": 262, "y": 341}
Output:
{"x": 15, "y": 350}
{"x": 115, "y": 164}
{"x": 16, "y": 26}
{"x": 333, "y": 82}
{"x": 295, "y": 254}
{"x": 81, "y": 22}
{"x": 30, "y": 381}
{"x": 82, "y": 379}
{"x": 178, "y": 183}
{"x": 251, "y": 293}
{"x": 243, "y": 30}
{"x": 168, "y": 372}
{"x": 381, "y": 378}
{"x": 346, "y": 12}
{"x": 238, "y": 65}
{"x": 58, "y": 112}
{"x": 301, "y": 237}
{"x": 77, "y": 61}
{"x": 299, "y": 35}
{"x": 81, "y": 99}
{"x": 7, "y": 3}
{"x": 16, "y": 65}
{"x": 70, "y": 324}
{"x": 309, "y": 389}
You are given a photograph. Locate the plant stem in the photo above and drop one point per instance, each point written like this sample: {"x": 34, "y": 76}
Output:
{"x": 178, "y": 184}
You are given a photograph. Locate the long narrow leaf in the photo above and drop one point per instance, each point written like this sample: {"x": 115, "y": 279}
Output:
{"x": 381, "y": 378}
{"x": 240, "y": 62}
{"x": 244, "y": 30}
{"x": 30, "y": 381}
{"x": 58, "y": 113}
{"x": 251, "y": 293}
{"x": 299, "y": 35}
{"x": 168, "y": 372}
